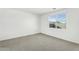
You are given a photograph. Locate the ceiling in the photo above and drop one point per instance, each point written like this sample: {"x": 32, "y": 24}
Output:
{"x": 38, "y": 10}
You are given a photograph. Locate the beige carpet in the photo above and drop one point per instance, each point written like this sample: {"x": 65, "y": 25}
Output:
{"x": 38, "y": 42}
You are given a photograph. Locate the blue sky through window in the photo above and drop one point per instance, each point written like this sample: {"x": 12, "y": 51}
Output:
{"x": 61, "y": 17}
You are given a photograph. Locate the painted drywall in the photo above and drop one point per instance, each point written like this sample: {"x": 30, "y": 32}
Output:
{"x": 71, "y": 33}
{"x": 15, "y": 23}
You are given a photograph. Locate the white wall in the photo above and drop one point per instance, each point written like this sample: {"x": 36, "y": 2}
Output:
{"x": 72, "y": 31}
{"x": 14, "y": 23}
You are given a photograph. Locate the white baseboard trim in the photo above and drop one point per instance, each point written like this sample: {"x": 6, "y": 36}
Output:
{"x": 75, "y": 42}
{"x": 14, "y": 36}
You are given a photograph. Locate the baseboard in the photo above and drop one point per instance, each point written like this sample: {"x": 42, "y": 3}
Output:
{"x": 62, "y": 39}
{"x": 13, "y": 37}
{"x": 8, "y": 38}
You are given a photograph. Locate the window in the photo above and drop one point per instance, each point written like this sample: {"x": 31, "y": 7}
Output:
{"x": 57, "y": 21}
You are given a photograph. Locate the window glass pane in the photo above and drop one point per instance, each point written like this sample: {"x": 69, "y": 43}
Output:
{"x": 57, "y": 20}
